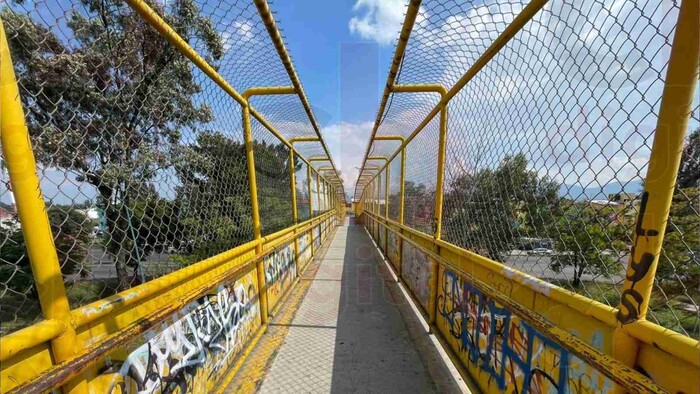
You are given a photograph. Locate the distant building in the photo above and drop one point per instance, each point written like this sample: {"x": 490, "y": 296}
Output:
{"x": 605, "y": 203}
{"x": 623, "y": 198}
{"x": 8, "y": 220}
{"x": 90, "y": 213}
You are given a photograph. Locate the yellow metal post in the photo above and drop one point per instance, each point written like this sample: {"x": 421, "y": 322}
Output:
{"x": 311, "y": 208}
{"x": 31, "y": 209}
{"x": 439, "y": 183}
{"x": 257, "y": 230}
{"x": 659, "y": 184}
{"x": 253, "y": 186}
{"x": 386, "y": 207}
{"x": 318, "y": 190}
{"x": 293, "y": 184}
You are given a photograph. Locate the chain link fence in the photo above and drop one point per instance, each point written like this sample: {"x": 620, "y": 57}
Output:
{"x": 548, "y": 144}
{"x": 140, "y": 155}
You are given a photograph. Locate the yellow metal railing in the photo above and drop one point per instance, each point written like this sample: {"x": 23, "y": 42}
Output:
{"x": 103, "y": 343}
{"x": 506, "y": 328}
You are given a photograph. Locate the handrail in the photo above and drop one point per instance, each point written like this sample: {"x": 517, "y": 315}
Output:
{"x": 269, "y": 22}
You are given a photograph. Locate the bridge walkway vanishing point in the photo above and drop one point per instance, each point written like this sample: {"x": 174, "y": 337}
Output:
{"x": 525, "y": 218}
{"x": 342, "y": 330}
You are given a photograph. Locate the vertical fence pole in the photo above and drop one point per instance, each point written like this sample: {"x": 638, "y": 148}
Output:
{"x": 442, "y": 142}
{"x": 31, "y": 209}
{"x": 318, "y": 191}
{"x": 257, "y": 229}
{"x": 311, "y": 209}
{"x": 386, "y": 207}
{"x": 659, "y": 184}
{"x": 293, "y": 183}
{"x": 402, "y": 203}
{"x": 439, "y": 191}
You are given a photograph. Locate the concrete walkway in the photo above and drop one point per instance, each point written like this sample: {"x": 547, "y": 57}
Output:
{"x": 347, "y": 336}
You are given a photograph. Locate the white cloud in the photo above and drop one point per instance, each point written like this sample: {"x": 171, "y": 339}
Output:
{"x": 347, "y": 143}
{"x": 378, "y": 20}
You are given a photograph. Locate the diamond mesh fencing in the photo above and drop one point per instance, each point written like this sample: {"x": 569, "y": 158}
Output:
{"x": 395, "y": 188}
{"x": 548, "y": 143}
{"x": 302, "y": 185}
{"x": 421, "y": 173}
{"x": 141, "y": 156}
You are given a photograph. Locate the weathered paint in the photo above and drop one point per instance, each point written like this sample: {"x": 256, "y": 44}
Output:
{"x": 416, "y": 269}
{"x": 505, "y": 354}
{"x": 194, "y": 349}
{"x": 280, "y": 272}
{"x": 304, "y": 250}
{"x": 381, "y": 239}
{"x": 317, "y": 237}
{"x": 392, "y": 251}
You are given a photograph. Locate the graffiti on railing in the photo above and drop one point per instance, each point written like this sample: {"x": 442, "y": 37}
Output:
{"x": 193, "y": 350}
{"x": 392, "y": 249}
{"x": 415, "y": 270}
{"x": 280, "y": 271}
{"x": 304, "y": 249}
{"x": 504, "y": 349}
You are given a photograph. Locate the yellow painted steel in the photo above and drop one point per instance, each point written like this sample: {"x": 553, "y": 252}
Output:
{"x": 153, "y": 19}
{"x": 672, "y": 124}
{"x": 304, "y": 139}
{"x": 636, "y": 341}
{"x": 268, "y": 91}
{"x": 257, "y": 228}
{"x": 295, "y": 218}
{"x": 659, "y": 185}
{"x": 108, "y": 318}
{"x": 236, "y": 259}
{"x": 318, "y": 189}
{"x": 684, "y": 351}
{"x": 26, "y": 338}
{"x": 269, "y": 22}
{"x": 43, "y": 258}
{"x": 252, "y": 184}
{"x": 506, "y": 35}
{"x": 404, "y": 35}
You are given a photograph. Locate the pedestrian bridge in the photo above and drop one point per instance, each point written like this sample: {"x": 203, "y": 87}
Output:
{"x": 525, "y": 217}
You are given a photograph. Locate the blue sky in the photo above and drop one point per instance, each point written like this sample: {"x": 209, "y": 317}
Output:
{"x": 342, "y": 52}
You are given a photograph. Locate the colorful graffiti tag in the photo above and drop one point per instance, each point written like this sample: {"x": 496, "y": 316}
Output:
{"x": 304, "y": 250}
{"x": 193, "y": 350}
{"x": 505, "y": 353}
{"x": 280, "y": 272}
{"x": 415, "y": 271}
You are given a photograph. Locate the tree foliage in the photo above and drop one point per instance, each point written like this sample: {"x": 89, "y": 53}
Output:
{"x": 489, "y": 210}
{"x": 71, "y": 232}
{"x": 588, "y": 240}
{"x": 113, "y": 104}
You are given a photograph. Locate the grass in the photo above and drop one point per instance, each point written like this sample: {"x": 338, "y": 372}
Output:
{"x": 666, "y": 310}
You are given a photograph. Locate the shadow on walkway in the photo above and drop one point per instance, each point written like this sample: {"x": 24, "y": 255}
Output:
{"x": 348, "y": 336}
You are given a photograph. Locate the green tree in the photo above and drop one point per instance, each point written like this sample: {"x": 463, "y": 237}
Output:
{"x": 587, "y": 240}
{"x": 490, "y": 210}
{"x": 419, "y": 206}
{"x": 113, "y": 105}
{"x": 679, "y": 258}
{"x": 71, "y": 232}
{"x": 689, "y": 171}
{"x": 214, "y": 199}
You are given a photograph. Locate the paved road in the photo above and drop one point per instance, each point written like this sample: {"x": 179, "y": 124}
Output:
{"x": 102, "y": 264}
{"x": 538, "y": 266}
